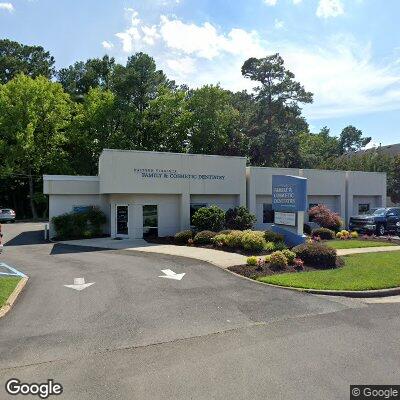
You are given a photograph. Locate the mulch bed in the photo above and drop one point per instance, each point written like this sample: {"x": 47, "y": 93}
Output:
{"x": 254, "y": 272}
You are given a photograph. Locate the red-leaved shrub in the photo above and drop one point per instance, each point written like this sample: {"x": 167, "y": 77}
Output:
{"x": 324, "y": 217}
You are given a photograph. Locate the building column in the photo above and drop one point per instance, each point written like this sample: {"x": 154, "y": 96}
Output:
{"x": 185, "y": 211}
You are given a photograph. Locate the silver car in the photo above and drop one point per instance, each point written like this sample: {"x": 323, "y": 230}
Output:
{"x": 7, "y": 215}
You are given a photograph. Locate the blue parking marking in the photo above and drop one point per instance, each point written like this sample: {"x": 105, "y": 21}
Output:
{"x": 13, "y": 271}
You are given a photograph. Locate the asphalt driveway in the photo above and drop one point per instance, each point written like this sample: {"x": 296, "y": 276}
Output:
{"x": 133, "y": 335}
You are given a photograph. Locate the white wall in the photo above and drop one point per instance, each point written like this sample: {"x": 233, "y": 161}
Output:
{"x": 225, "y": 202}
{"x": 65, "y": 203}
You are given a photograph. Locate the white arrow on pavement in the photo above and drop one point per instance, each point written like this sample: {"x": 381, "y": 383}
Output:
{"x": 79, "y": 284}
{"x": 171, "y": 275}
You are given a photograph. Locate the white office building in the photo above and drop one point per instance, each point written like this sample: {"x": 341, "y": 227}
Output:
{"x": 151, "y": 193}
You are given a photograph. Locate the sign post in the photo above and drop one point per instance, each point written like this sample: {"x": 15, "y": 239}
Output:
{"x": 289, "y": 201}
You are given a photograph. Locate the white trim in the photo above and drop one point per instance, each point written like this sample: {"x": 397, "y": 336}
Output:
{"x": 70, "y": 178}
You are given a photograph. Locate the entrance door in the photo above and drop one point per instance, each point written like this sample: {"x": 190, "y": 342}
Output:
{"x": 121, "y": 220}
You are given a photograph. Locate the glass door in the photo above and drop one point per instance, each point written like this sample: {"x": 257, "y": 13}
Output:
{"x": 121, "y": 220}
{"x": 150, "y": 221}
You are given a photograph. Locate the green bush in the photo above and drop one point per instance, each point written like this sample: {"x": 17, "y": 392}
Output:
{"x": 239, "y": 218}
{"x": 209, "y": 219}
{"x": 220, "y": 240}
{"x": 251, "y": 261}
{"x": 317, "y": 255}
{"x": 290, "y": 255}
{"x": 225, "y": 232}
{"x": 253, "y": 241}
{"x": 324, "y": 233}
{"x": 204, "y": 237}
{"x": 269, "y": 246}
{"x": 183, "y": 237}
{"x": 278, "y": 261}
{"x": 267, "y": 259}
{"x": 270, "y": 236}
{"x": 234, "y": 239}
{"x": 279, "y": 246}
{"x": 79, "y": 225}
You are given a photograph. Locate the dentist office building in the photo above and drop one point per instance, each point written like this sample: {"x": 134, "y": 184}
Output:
{"x": 151, "y": 193}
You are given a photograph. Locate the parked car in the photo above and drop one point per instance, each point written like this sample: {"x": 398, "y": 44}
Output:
{"x": 7, "y": 215}
{"x": 378, "y": 221}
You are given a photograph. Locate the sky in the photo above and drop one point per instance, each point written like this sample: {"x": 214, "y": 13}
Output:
{"x": 347, "y": 52}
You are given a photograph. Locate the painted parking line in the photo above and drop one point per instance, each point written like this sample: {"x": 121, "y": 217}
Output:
{"x": 12, "y": 271}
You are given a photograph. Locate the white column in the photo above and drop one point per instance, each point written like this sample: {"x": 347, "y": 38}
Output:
{"x": 185, "y": 211}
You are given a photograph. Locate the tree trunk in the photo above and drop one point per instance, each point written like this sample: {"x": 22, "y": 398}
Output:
{"x": 31, "y": 196}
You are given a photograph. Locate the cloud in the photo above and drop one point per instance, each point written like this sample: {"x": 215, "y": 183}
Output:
{"x": 279, "y": 24}
{"x": 339, "y": 70}
{"x": 107, "y": 45}
{"x": 205, "y": 41}
{"x": 7, "y": 6}
{"x": 270, "y": 2}
{"x": 329, "y": 8}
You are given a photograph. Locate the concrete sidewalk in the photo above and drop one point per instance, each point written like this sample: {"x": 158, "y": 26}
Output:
{"x": 362, "y": 250}
{"x": 219, "y": 258}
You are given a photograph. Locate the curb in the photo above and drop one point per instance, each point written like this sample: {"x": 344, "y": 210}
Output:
{"x": 13, "y": 297}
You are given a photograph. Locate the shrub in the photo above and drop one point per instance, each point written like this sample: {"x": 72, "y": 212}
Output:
{"x": 79, "y": 225}
{"x": 269, "y": 246}
{"x": 278, "y": 261}
{"x": 234, "y": 239}
{"x": 220, "y": 240}
{"x": 270, "y": 236}
{"x": 298, "y": 265}
{"x": 324, "y": 233}
{"x": 316, "y": 255}
{"x": 326, "y": 218}
{"x": 239, "y": 218}
{"x": 204, "y": 237}
{"x": 290, "y": 255}
{"x": 183, "y": 237}
{"x": 225, "y": 232}
{"x": 267, "y": 259}
{"x": 354, "y": 235}
{"x": 251, "y": 261}
{"x": 209, "y": 219}
{"x": 343, "y": 235}
{"x": 279, "y": 246}
{"x": 253, "y": 241}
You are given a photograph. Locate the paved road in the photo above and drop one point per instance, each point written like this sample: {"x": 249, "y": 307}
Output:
{"x": 212, "y": 335}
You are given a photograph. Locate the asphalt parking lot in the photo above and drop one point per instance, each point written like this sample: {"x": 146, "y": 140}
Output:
{"x": 211, "y": 335}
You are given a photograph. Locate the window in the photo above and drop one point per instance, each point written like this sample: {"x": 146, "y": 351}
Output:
{"x": 363, "y": 208}
{"x": 193, "y": 208}
{"x": 268, "y": 214}
{"x": 150, "y": 221}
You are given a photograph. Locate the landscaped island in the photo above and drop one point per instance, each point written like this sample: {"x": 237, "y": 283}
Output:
{"x": 7, "y": 286}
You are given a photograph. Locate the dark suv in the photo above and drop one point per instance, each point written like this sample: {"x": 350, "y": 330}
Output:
{"x": 378, "y": 221}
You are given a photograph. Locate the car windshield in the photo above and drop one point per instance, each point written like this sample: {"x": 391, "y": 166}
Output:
{"x": 4, "y": 211}
{"x": 378, "y": 211}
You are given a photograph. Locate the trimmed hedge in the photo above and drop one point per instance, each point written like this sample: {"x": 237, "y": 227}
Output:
{"x": 204, "y": 237}
{"x": 183, "y": 237}
{"x": 317, "y": 255}
{"x": 324, "y": 233}
{"x": 290, "y": 255}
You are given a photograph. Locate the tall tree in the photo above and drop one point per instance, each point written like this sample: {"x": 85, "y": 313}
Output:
{"x": 17, "y": 58}
{"x": 214, "y": 121}
{"x": 394, "y": 180}
{"x": 278, "y": 120}
{"x": 351, "y": 139}
{"x": 34, "y": 116}
{"x": 79, "y": 78}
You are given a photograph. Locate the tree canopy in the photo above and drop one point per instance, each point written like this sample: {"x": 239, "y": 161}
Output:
{"x": 59, "y": 122}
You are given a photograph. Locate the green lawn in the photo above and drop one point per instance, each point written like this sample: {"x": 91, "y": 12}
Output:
{"x": 361, "y": 272}
{"x": 7, "y": 285}
{"x": 356, "y": 244}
